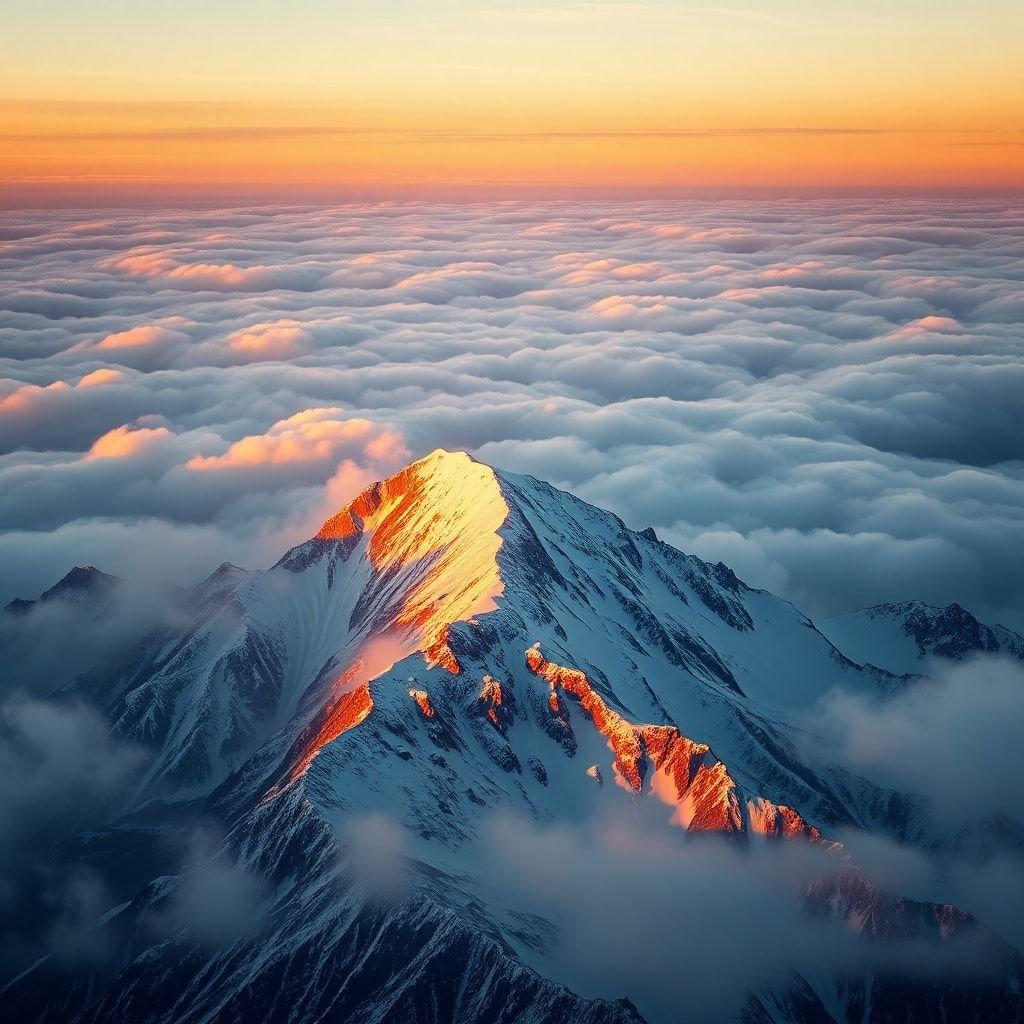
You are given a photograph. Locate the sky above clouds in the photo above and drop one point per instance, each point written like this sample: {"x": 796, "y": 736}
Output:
{"x": 824, "y": 394}
{"x": 116, "y": 99}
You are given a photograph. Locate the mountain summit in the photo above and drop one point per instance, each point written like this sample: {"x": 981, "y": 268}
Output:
{"x": 456, "y": 646}
{"x": 83, "y": 582}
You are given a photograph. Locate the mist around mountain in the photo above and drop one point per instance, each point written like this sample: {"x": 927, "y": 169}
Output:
{"x": 478, "y": 752}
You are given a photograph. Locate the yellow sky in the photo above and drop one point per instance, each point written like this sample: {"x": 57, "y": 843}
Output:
{"x": 453, "y": 95}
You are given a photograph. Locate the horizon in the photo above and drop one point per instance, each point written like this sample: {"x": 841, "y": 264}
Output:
{"x": 113, "y": 195}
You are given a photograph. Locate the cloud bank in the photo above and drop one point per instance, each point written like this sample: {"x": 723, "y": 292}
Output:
{"x": 688, "y": 930}
{"x": 61, "y": 771}
{"x": 953, "y": 738}
{"x": 824, "y": 394}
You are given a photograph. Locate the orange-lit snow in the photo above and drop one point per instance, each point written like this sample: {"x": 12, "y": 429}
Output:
{"x": 432, "y": 530}
{"x": 436, "y": 523}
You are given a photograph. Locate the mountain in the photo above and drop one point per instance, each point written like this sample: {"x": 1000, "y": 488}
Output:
{"x": 82, "y": 583}
{"x": 905, "y": 636}
{"x": 457, "y": 649}
{"x": 74, "y": 626}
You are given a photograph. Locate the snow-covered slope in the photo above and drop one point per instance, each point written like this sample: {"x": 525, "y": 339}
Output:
{"x": 904, "y": 636}
{"x": 460, "y": 643}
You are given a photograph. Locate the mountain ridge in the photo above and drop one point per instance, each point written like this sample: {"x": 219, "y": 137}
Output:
{"x": 454, "y": 642}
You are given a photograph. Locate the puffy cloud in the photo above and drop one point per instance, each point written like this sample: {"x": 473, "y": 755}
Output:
{"x": 126, "y": 442}
{"x": 167, "y": 268}
{"x": 98, "y": 378}
{"x": 314, "y": 440}
{"x": 825, "y": 393}
{"x": 135, "y": 337}
{"x": 44, "y": 417}
{"x": 277, "y": 340}
{"x": 288, "y": 479}
{"x": 149, "y": 345}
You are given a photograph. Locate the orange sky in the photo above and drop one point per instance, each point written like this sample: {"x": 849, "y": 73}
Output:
{"x": 453, "y": 97}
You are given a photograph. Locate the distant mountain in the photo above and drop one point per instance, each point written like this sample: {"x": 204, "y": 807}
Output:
{"x": 72, "y": 627}
{"x": 903, "y": 637}
{"x": 83, "y": 582}
{"x": 457, "y": 643}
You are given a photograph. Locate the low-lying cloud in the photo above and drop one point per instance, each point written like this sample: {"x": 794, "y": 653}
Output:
{"x": 376, "y": 855}
{"x": 954, "y": 738}
{"x": 61, "y": 772}
{"x": 60, "y": 769}
{"x": 687, "y": 930}
{"x": 216, "y": 897}
{"x": 823, "y": 394}
{"x": 102, "y": 626}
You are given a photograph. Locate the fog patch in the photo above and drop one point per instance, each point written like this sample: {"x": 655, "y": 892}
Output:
{"x": 61, "y": 772}
{"x": 60, "y": 769}
{"x": 53, "y": 641}
{"x": 377, "y": 852}
{"x": 954, "y": 738}
{"x": 216, "y": 897}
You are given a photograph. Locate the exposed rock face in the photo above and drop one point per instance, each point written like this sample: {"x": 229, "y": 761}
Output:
{"x": 675, "y": 769}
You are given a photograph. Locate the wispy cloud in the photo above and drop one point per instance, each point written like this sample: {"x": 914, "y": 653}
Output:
{"x": 270, "y": 132}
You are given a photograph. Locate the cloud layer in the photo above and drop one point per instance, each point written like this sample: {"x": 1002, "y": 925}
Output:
{"x": 687, "y": 930}
{"x": 823, "y": 394}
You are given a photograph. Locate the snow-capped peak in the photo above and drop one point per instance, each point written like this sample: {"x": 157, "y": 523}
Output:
{"x": 456, "y": 642}
{"x": 434, "y": 525}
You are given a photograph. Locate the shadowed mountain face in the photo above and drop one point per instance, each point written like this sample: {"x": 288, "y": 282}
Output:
{"x": 82, "y": 583}
{"x": 402, "y": 730}
{"x": 904, "y": 636}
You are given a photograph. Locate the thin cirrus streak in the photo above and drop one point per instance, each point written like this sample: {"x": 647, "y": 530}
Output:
{"x": 270, "y": 131}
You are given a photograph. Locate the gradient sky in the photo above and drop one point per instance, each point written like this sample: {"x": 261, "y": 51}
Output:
{"x": 467, "y": 94}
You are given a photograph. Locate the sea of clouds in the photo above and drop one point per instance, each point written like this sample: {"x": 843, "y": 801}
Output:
{"x": 828, "y": 395}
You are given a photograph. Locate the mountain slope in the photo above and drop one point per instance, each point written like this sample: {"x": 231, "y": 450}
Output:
{"x": 456, "y": 644}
